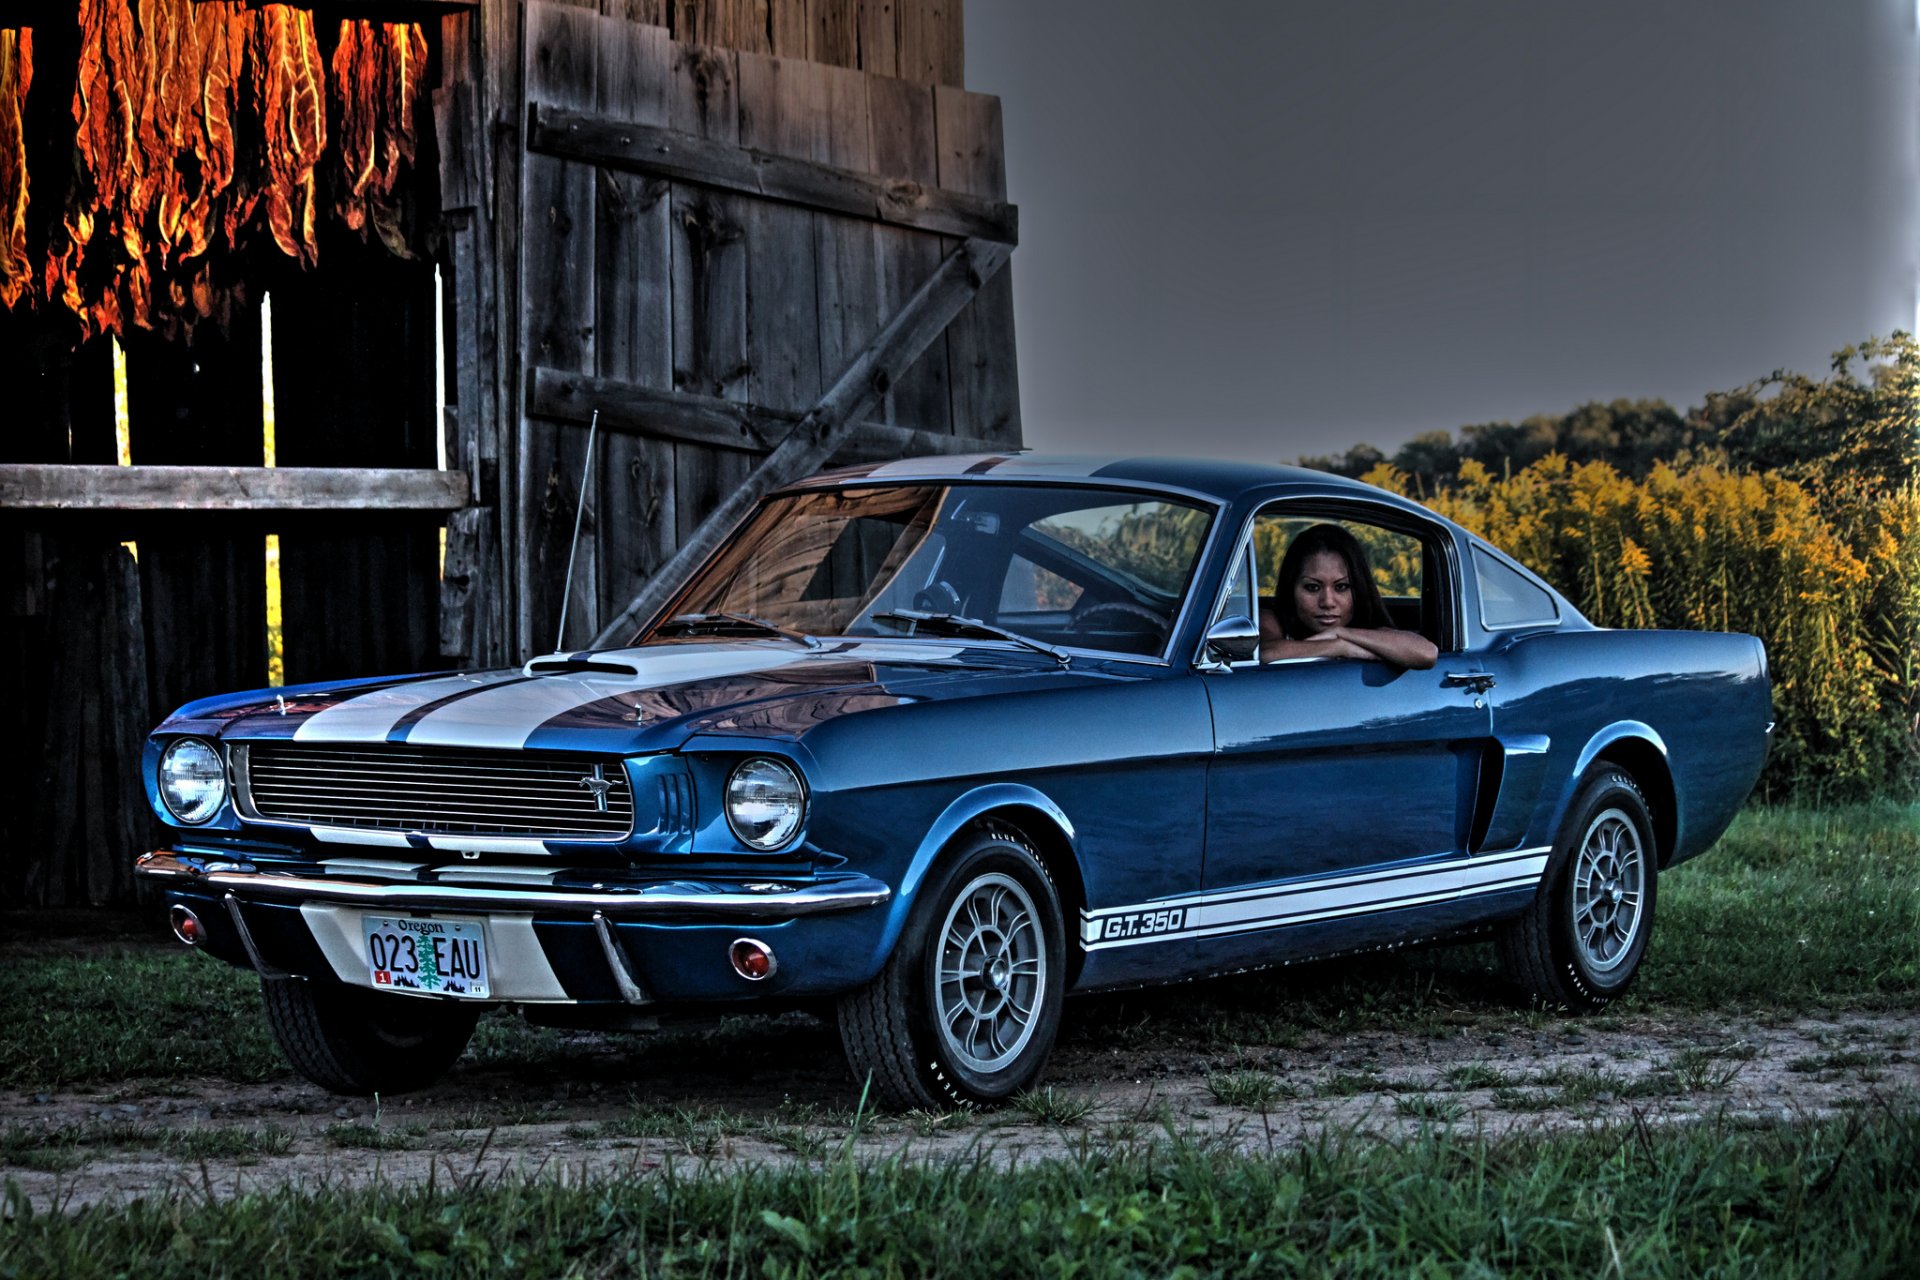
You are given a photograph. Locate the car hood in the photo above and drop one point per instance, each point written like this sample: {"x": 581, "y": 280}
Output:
{"x": 650, "y": 698}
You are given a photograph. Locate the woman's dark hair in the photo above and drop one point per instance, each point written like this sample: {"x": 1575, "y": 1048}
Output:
{"x": 1369, "y": 610}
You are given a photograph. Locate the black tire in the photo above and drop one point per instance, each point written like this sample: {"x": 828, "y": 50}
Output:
{"x": 1576, "y": 948}
{"x": 893, "y": 1029}
{"x": 358, "y": 1042}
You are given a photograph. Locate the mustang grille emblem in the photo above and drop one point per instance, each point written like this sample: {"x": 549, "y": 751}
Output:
{"x": 599, "y": 784}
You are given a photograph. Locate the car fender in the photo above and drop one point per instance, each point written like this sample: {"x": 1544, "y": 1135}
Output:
{"x": 964, "y": 810}
{"x": 1618, "y": 731}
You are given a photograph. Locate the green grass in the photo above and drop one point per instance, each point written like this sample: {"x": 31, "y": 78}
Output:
{"x": 354, "y": 1135}
{"x": 140, "y": 1012}
{"x": 62, "y": 1147}
{"x": 1837, "y": 1062}
{"x": 1424, "y": 1107}
{"x": 698, "y": 1131}
{"x": 1050, "y": 1106}
{"x": 1252, "y": 1090}
{"x": 1478, "y": 1075}
{"x": 1794, "y": 908}
{"x": 1714, "y": 1198}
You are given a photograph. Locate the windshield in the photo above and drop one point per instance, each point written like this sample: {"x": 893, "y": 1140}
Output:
{"x": 1084, "y": 568}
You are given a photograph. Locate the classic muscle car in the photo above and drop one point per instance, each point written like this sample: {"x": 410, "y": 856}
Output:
{"x": 928, "y": 745}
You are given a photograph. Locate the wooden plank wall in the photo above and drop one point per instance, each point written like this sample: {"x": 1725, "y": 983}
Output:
{"x": 681, "y": 287}
{"x": 73, "y": 678}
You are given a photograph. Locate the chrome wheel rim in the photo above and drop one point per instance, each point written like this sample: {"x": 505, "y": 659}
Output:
{"x": 992, "y": 973}
{"x": 1609, "y": 890}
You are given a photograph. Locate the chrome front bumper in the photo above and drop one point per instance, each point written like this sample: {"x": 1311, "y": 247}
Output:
{"x": 766, "y": 900}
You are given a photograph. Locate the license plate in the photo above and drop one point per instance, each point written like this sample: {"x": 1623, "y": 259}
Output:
{"x": 443, "y": 956}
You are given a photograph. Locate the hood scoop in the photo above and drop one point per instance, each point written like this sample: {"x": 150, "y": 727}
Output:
{"x": 563, "y": 664}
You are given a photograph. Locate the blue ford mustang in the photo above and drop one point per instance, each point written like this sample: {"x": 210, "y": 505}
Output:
{"x": 934, "y": 743}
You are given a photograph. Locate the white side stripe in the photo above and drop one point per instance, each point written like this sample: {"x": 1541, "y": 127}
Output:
{"x": 1302, "y": 902}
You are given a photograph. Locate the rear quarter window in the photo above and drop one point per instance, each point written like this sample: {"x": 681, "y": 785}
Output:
{"x": 1507, "y": 598}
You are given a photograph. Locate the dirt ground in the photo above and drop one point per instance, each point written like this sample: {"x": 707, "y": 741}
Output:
{"x": 775, "y": 1091}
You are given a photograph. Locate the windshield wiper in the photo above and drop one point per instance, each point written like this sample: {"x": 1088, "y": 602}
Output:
{"x": 952, "y": 624}
{"x": 736, "y": 622}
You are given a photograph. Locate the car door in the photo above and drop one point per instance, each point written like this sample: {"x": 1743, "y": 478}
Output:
{"x": 1332, "y": 768}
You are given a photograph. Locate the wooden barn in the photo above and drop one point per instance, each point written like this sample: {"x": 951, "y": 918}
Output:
{"x": 305, "y": 311}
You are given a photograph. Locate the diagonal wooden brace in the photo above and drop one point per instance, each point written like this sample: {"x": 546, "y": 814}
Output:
{"x": 813, "y": 440}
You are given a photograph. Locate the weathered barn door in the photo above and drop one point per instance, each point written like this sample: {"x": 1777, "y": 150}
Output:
{"x": 720, "y": 206}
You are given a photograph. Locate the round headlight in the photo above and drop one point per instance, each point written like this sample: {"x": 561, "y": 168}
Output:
{"x": 193, "y": 781}
{"x": 765, "y": 802}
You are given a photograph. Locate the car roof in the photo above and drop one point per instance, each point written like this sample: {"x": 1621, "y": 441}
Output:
{"x": 1218, "y": 479}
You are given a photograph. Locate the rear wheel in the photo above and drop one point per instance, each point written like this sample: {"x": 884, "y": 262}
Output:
{"x": 966, "y": 1009}
{"x": 1581, "y": 942}
{"x": 358, "y": 1042}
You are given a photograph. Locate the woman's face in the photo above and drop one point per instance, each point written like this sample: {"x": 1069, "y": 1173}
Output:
{"x": 1323, "y": 594}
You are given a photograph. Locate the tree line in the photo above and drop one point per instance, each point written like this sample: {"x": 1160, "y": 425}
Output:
{"x": 1854, "y": 427}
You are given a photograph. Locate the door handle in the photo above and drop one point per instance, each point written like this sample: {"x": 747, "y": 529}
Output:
{"x": 1476, "y": 681}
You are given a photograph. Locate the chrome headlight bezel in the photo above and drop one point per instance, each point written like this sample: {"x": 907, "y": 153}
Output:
{"x": 192, "y": 809}
{"x": 765, "y": 782}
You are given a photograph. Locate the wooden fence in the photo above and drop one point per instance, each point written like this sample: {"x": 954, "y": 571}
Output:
{"x": 99, "y": 639}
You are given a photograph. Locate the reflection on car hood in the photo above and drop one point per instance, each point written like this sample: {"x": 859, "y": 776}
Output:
{"x": 630, "y": 700}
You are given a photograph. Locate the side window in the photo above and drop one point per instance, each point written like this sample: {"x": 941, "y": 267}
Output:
{"x": 1399, "y": 564}
{"x": 1507, "y": 599}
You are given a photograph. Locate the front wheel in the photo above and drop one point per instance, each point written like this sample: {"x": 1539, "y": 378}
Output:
{"x": 347, "y": 1040}
{"x": 966, "y": 1009}
{"x": 1581, "y": 942}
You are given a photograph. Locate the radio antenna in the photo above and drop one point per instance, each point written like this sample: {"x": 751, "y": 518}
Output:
{"x": 579, "y": 509}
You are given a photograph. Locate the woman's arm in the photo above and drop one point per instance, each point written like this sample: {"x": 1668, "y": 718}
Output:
{"x": 1324, "y": 645}
{"x": 1401, "y": 648}
{"x": 1407, "y": 649}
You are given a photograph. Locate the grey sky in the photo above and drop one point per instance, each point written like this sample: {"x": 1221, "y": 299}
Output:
{"x": 1257, "y": 230}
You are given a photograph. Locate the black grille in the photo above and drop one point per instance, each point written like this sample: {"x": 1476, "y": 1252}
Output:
{"x": 438, "y": 789}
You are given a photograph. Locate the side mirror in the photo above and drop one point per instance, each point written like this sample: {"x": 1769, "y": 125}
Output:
{"x": 1234, "y": 639}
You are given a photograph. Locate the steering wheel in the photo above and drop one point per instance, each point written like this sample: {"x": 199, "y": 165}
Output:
{"x": 1135, "y": 618}
{"x": 937, "y": 597}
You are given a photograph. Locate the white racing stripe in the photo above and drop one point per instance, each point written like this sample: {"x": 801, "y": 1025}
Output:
{"x": 1303, "y": 902}
{"x": 371, "y": 716}
{"x": 508, "y": 716}
{"x": 505, "y": 708}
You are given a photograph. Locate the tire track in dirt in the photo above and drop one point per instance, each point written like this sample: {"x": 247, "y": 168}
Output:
{"x": 774, "y": 1092}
